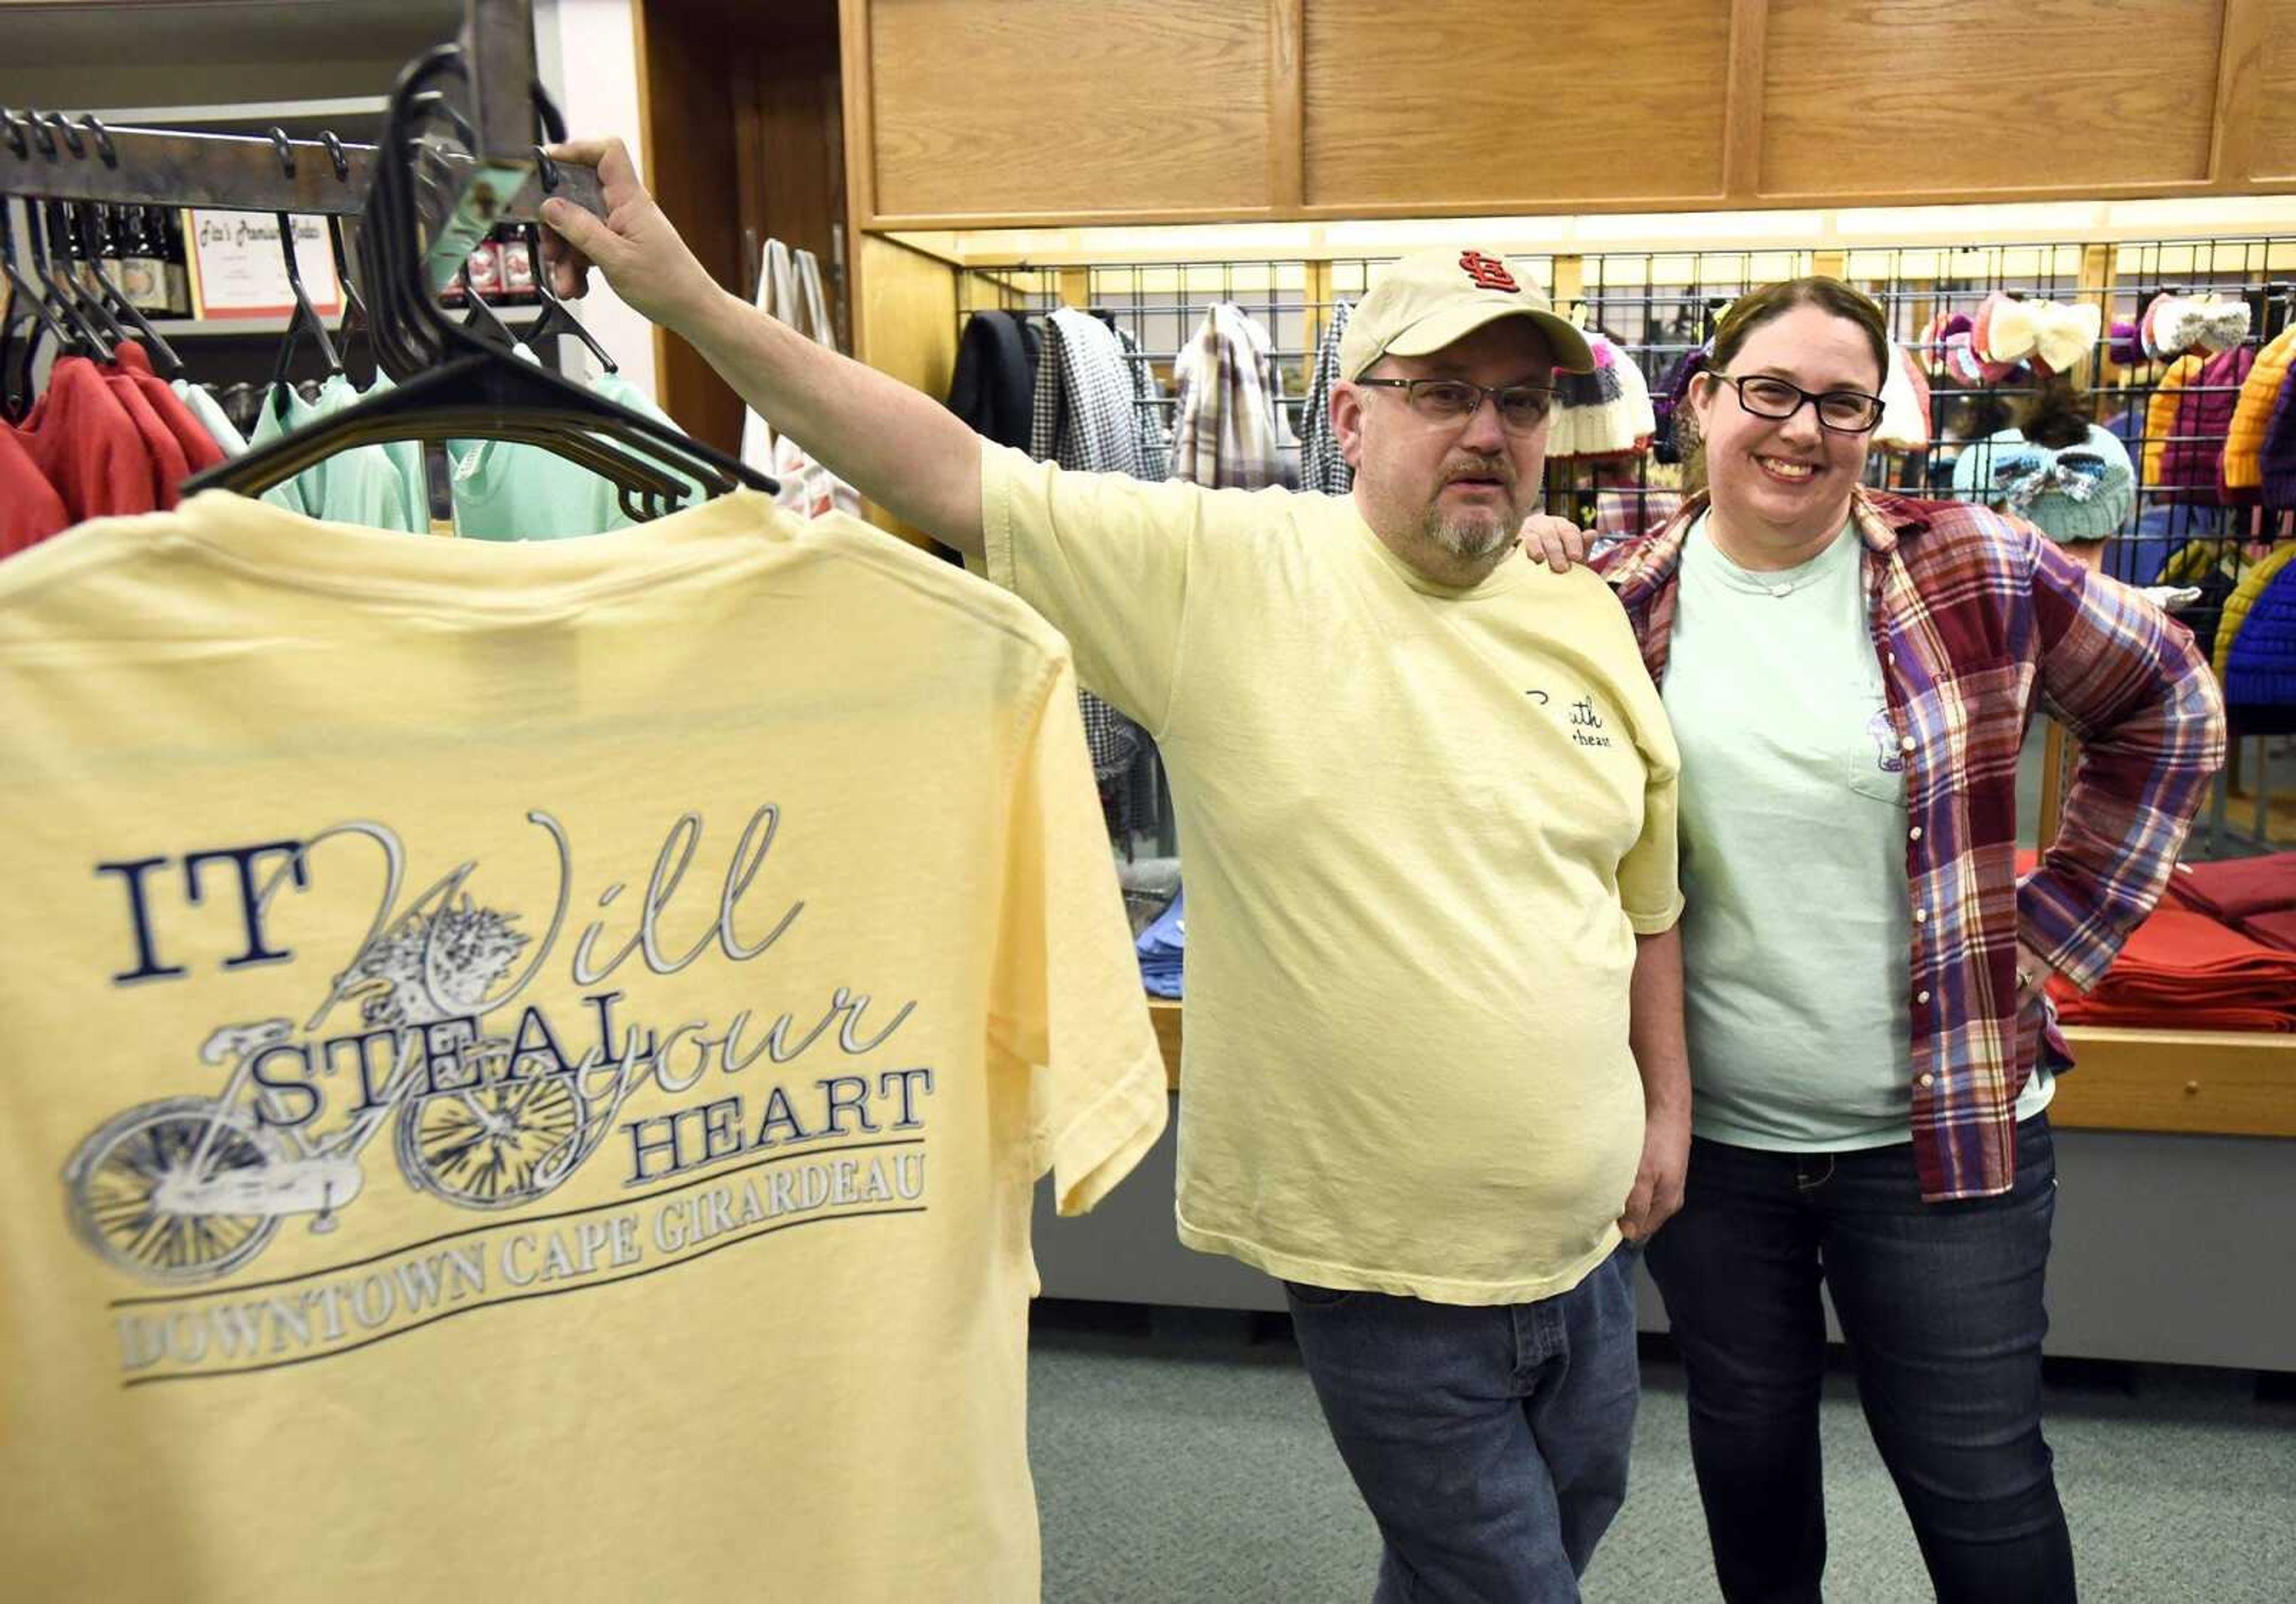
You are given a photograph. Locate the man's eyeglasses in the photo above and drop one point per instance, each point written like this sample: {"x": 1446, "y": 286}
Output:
{"x": 1522, "y": 407}
{"x": 1844, "y": 412}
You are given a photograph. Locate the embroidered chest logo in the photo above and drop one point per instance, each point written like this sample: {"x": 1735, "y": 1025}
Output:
{"x": 1489, "y": 272}
{"x": 1586, "y": 726}
{"x": 1887, "y": 752}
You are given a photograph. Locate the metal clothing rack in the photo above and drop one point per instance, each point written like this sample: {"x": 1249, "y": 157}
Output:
{"x": 500, "y": 177}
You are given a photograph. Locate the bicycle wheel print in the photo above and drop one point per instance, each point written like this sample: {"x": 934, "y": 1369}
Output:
{"x": 494, "y": 1146}
{"x": 114, "y": 1181}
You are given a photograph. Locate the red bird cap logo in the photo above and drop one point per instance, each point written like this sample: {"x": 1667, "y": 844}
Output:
{"x": 1489, "y": 272}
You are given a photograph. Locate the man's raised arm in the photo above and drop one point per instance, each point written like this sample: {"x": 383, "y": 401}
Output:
{"x": 897, "y": 446}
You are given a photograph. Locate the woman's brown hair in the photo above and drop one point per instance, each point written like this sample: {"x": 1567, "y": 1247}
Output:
{"x": 1756, "y": 307}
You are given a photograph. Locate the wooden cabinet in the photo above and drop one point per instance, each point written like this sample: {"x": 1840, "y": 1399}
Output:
{"x": 1965, "y": 97}
{"x": 978, "y": 112}
{"x": 1054, "y": 108}
{"x": 1513, "y": 108}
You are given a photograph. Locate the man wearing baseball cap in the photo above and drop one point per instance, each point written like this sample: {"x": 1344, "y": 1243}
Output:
{"x": 1402, "y": 764}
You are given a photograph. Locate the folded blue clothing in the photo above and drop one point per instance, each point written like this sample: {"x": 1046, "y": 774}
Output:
{"x": 1161, "y": 947}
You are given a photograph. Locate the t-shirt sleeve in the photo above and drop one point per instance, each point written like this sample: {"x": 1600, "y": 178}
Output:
{"x": 1104, "y": 557}
{"x": 1069, "y": 1011}
{"x": 1650, "y": 881}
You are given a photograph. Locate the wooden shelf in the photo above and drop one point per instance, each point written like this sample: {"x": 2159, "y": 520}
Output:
{"x": 2184, "y": 1083}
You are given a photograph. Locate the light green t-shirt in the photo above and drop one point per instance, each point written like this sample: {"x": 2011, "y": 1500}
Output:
{"x": 505, "y": 491}
{"x": 285, "y": 411}
{"x": 375, "y": 486}
{"x": 1797, "y": 930}
{"x": 1421, "y": 828}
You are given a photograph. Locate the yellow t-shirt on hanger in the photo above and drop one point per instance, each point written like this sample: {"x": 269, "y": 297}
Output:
{"x": 527, "y": 1063}
{"x": 1420, "y": 829}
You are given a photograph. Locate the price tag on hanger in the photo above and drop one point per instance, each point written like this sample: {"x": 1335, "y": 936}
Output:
{"x": 237, "y": 270}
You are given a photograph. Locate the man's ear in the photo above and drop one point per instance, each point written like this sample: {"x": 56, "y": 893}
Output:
{"x": 1347, "y": 423}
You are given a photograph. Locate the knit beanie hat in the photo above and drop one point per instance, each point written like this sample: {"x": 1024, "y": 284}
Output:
{"x": 2083, "y": 492}
{"x": 2174, "y": 325}
{"x": 2242, "y": 468}
{"x": 2000, "y": 326}
{"x": 2279, "y": 450}
{"x": 1605, "y": 412}
{"x": 1905, "y": 424}
{"x": 1671, "y": 409}
{"x": 2128, "y": 349}
{"x": 1931, "y": 346}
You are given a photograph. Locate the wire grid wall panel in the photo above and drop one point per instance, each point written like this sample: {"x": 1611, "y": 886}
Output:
{"x": 1658, "y": 306}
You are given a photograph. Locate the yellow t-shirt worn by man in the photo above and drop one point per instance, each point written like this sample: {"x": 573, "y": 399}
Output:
{"x": 527, "y": 1064}
{"x": 1420, "y": 829}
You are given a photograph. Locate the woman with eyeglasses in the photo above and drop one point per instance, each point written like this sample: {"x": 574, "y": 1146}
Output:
{"x": 1849, "y": 674}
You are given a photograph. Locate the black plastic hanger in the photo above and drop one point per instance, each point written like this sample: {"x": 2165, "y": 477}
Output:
{"x": 123, "y": 312}
{"x": 454, "y": 385}
{"x": 92, "y": 337}
{"x": 556, "y": 318}
{"x": 480, "y": 317}
{"x": 356, "y": 322}
{"x": 304, "y": 319}
{"x": 29, "y": 309}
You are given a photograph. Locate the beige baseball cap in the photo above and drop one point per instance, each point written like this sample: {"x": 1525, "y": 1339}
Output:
{"x": 1423, "y": 302}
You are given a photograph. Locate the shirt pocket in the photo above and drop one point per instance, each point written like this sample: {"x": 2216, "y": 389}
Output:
{"x": 1874, "y": 764}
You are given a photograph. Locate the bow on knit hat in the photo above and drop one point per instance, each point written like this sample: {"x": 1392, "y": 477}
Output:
{"x": 2174, "y": 325}
{"x": 2078, "y": 475}
{"x": 2055, "y": 336}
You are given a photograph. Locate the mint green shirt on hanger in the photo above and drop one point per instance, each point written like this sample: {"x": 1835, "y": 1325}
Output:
{"x": 505, "y": 491}
{"x": 1798, "y": 926}
{"x": 283, "y": 412}
{"x": 370, "y": 486}
{"x": 392, "y": 494}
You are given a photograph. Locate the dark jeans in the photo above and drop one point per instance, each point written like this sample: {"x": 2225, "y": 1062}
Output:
{"x": 1490, "y": 1443}
{"x": 1941, "y": 1304}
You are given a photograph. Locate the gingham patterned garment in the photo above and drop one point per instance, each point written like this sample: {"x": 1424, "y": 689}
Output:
{"x": 1321, "y": 465}
{"x": 1156, "y": 454}
{"x": 1092, "y": 413}
{"x": 1225, "y": 435}
{"x": 1978, "y": 618}
{"x": 1087, "y": 412}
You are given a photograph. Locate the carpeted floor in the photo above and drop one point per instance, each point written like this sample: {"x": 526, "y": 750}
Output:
{"x": 1182, "y": 1461}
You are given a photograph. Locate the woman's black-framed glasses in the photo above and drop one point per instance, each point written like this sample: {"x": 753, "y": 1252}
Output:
{"x": 1522, "y": 407}
{"x": 1844, "y": 412}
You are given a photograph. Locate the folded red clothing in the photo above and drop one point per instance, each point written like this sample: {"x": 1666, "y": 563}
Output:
{"x": 2185, "y": 892}
{"x": 2273, "y": 930}
{"x": 2090, "y": 1013}
{"x": 2178, "y": 941}
{"x": 2237, "y": 887}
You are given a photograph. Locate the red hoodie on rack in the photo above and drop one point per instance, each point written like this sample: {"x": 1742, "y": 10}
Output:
{"x": 85, "y": 446}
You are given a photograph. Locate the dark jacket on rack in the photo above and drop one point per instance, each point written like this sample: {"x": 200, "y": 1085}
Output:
{"x": 996, "y": 379}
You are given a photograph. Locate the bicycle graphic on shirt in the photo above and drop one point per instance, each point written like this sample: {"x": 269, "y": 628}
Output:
{"x": 188, "y": 1189}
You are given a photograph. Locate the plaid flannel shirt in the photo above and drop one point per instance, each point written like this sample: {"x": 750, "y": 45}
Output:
{"x": 1974, "y": 616}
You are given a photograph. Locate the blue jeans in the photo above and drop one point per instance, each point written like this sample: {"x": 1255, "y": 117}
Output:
{"x": 1941, "y": 1304}
{"x": 1490, "y": 1443}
